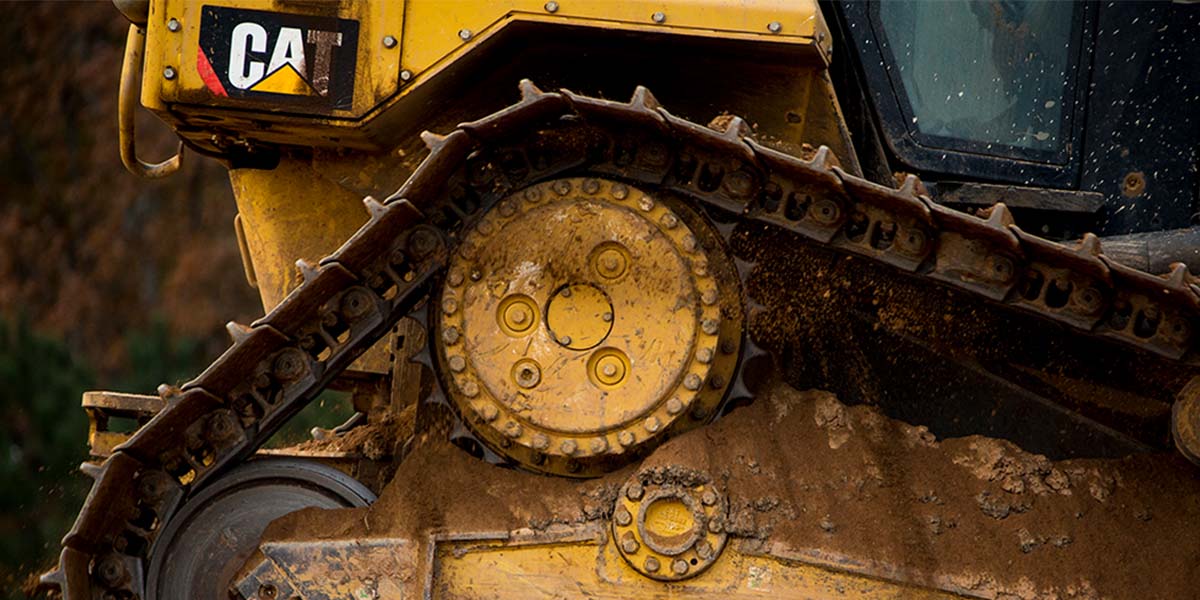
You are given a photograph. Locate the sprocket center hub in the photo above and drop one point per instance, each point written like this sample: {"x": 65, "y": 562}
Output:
{"x": 583, "y": 319}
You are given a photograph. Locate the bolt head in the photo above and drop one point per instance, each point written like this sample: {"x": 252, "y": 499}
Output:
{"x": 173, "y": 24}
{"x": 679, "y": 567}
{"x": 464, "y": 34}
{"x": 623, "y": 517}
{"x": 406, "y": 75}
{"x": 634, "y": 492}
{"x": 551, "y": 7}
{"x": 658, "y": 17}
{"x": 169, "y": 73}
{"x": 389, "y": 41}
{"x": 774, "y": 27}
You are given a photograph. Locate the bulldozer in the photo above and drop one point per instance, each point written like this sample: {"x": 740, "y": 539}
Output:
{"x": 570, "y": 262}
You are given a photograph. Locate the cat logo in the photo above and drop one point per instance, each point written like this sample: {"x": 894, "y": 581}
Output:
{"x": 276, "y": 57}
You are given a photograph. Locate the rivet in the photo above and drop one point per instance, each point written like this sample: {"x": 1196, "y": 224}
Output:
{"x": 651, "y": 564}
{"x": 680, "y": 566}
{"x": 716, "y": 382}
{"x": 591, "y": 186}
{"x": 689, "y": 243}
{"x": 634, "y": 492}
{"x": 704, "y": 355}
{"x": 646, "y": 204}
{"x": 565, "y": 340}
{"x": 569, "y": 447}
{"x": 710, "y": 326}
{"x": 457, "y": 364}
{"x": 507, "y": 209}
{"x": 173, "y": 24}
{"x": 566, "y": 292}
{"x": 658, "y": 17}
{"x": 562, "y": 187}
{"x": 669, "y": 221}
{"x": 674, "y": 406}
{"x": 728, "y": 347}
{"x": 489, "y": 412}
{"x": 652, "y": 424}
{"x": 470, "y": 389}
{"x": 450, "y": 335}
{"x": 455, "y": 278}
{"x": 609, "y": 369}
{"x": 709, "y": 297}
{"x": 623, "y": 517}
{"x": 389, "y": 41}
{"x": 709, "y": 497}
{"x": 630, "y": 545}
{"x": 406, "y": 75}
{"x": 169, "y": 73}
{"x": 626, "y": 438}
{"x": 533, "y": 195}
{"x": 620, "y": 191}
{"x": 449, "y": 306}
{"x": 540, "y": 441}
{"x": 692, "y": 382}
{"x": 513, "y": 429}
{"x": 551, "y": 7}
{"x": 699, "y": 412}
{"x": 700, "y": 268}
{"x": 476, "y": 275}
{"x": 606, "y": 317}
{"x": 464, "y": 34}
{"x": 774, "y": 27}
{"x": 599, "y": 445}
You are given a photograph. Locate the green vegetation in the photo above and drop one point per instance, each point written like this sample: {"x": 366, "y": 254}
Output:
{"x": 43, "y": 433}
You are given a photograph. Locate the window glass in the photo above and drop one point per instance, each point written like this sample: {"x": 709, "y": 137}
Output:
{"x": 988, "y": 72}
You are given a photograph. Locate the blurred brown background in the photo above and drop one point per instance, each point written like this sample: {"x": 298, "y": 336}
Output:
{"x": 106, "y": 281}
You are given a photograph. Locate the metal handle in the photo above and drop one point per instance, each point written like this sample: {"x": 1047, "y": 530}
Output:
{"x": 135, "y": 46}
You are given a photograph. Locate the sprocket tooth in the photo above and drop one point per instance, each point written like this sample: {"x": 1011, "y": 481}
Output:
{"x": 55, "y": 580}
{"x": 374, "y": 207}
{"x": 92, "y": 470}
{"x": 823, "y": 159}
{"x": 736, "y": 129}
{"x": 744, "y": 267}
{"x": 912, "y": 186}
{"x": 643, "y": 98}
{"x": 432, "y": 140}
{"x": 238, "y": 331}
{"x": 1089, "y": 245}
{"x": 1179, "y": 277}
{"x": 307, "y": 270}
{"x": 1000, "y": 216}
{"x": 529, "y": 90}
{"x": 167, "y": 391}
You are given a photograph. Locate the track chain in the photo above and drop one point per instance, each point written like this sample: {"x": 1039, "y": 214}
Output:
{"x": 354, "y": 296}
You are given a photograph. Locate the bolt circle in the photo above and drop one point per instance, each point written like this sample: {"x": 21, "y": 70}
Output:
{"x": 659, "y": 519}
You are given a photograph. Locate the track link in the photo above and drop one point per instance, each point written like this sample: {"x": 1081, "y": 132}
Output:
{"x": 353, "y": 297}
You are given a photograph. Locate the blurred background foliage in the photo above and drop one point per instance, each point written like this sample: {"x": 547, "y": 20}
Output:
{"x": 106, "y": 281}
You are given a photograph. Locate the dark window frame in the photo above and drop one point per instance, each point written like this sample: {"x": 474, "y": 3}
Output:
{"x": 966, "y": 158}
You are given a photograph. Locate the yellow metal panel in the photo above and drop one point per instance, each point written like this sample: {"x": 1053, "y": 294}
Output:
{"x": 583, "y": 570}
{"x": 435, "y": 29}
